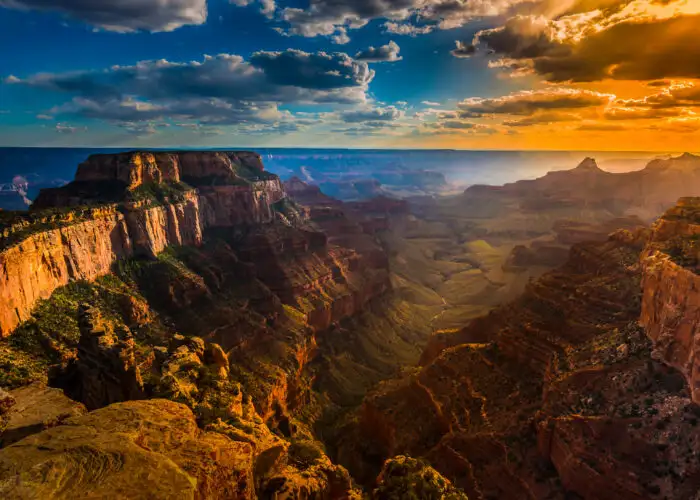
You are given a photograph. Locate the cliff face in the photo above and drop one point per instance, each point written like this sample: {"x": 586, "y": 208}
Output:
{"x": 47, "y": 259}
{"x": 671, "y": 298}
{"x": 35, "y": 267}
{"x": 555, "y": 394}
{"x": 144, "y": 217}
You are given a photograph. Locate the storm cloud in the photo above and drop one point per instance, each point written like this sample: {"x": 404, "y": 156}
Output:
{"x": 123, "y": 15}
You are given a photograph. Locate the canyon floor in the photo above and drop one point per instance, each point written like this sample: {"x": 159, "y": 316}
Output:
{"x": 260, "y": 340}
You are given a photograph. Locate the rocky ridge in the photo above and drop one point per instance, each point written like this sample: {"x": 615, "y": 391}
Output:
{"x": 225, "y": 323}
{"x": 137, "y": 216}
{"x": 559, "y": 393}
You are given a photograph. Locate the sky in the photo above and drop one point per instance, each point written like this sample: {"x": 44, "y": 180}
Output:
{"x": 463, "y": 74}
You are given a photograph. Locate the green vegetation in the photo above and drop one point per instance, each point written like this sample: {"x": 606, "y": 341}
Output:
{"x": 305, "y": 453}
{"x": 685, "y": 250}
{"x": 17, "y": 226}
{"x": 406, "y": 478}
{"x": 161, "y": 193}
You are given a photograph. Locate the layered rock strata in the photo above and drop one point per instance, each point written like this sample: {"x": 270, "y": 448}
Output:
{"x": 59, "y": 245}
{"x": 670, "y": 301}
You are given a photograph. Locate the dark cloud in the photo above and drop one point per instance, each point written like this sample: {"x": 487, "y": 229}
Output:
{"x": 319, "y": 70}
{"x": 634, "y": 49}
{"x": 389, "y": 113}
{"x": 290, "y": 76}
{"x": 458, "y": 125}
{"x": 463, "y": 49}
{"x": 545, "y": 118}
{"x": 123, "y": 15}
{"x": 530, "y": 102}
{"x": 220, "y": 90}
{"x": 524, "y": 37}
{"x": 385, "y": 53}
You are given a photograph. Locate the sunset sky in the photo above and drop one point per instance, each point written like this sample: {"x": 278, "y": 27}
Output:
{"x": 501, "y": 74}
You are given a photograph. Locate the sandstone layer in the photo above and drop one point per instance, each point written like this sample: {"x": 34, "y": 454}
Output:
{"x": 50, "y": 250}
{"x": 671, "y": 302}
{"x": 146, "y": 449}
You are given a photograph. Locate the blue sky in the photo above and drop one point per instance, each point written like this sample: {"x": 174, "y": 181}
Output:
{"x": 302, "y": 73}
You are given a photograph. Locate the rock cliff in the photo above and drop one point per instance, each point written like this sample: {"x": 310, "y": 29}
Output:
{"x": 557, "y": 394}
{"x": 671, "y": 285}
{"x": 137, "y": 206}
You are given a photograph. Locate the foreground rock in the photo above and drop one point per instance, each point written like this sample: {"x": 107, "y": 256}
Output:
{"x": 145, "y": 449}
{"x": 32, "y": 409}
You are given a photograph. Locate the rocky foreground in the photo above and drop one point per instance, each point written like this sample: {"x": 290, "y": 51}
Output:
{"x": 184, "y": 325}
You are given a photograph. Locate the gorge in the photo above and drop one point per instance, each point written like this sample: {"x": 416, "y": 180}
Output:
{"x": 190, "y": 314}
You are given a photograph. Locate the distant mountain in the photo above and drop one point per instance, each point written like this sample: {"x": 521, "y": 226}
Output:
{"x": 644, "y": 193}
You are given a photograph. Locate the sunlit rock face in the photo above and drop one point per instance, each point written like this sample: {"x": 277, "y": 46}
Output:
{"x": 671, "y": 299}
{"x": 140, "y": 449}
{"x": 140, "y": 207}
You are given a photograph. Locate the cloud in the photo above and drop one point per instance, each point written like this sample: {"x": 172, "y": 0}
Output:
{"x": 123, "y": 15}
{"x": 623, "y": 113}
{"x": 523, "y": 37}
{"x": 148, "y": 128}
{"x": 592, "y": 41}
{"x": 407, "y": 29}
{"x": 218, "y": 90}
{"x": 453, "y": 126}
{"x": 546, "y": 118}
{"x": 64, "y": 128}
{"x": 531, "y": 101}
{"x": 385, "y": 53}
{"x": 431, "y": 103}
{"x": 289, "y": 76}
{"x": 267, "y": 7}
{"x": 676, "y": 94}
{"x": 463, "y": 49}
{"x": 390, "y": 113}
{"x": 601, "y": 127}
{"x": 403, "y": 17}
{"x": 320, "y": 70}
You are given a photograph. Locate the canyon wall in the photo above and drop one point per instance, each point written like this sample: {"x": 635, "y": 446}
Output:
{"x": 671, "y": 290}
{"x": 34, "y": 267}
{"x": 38, "y": 256}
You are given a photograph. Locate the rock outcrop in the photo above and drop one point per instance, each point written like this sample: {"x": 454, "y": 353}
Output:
{"x": 32, "y": 409}
{"x": 105, "y": 369}
{"x": 671, "y": 296}
{"x": 140, "y": 207}
{"x": 139, "y": 449}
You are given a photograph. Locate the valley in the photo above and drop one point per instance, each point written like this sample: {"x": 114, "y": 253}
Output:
{"x": 483, "y": 345}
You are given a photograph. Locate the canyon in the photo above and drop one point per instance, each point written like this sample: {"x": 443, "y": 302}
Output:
{"x": 244, "y": 337}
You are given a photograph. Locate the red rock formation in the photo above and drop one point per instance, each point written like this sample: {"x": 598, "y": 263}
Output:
{"x": 670, "y": 301}
{"x": 554, "y": 393}
{"x": 140, "y": 449}
{"x": 85, "y": 248}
